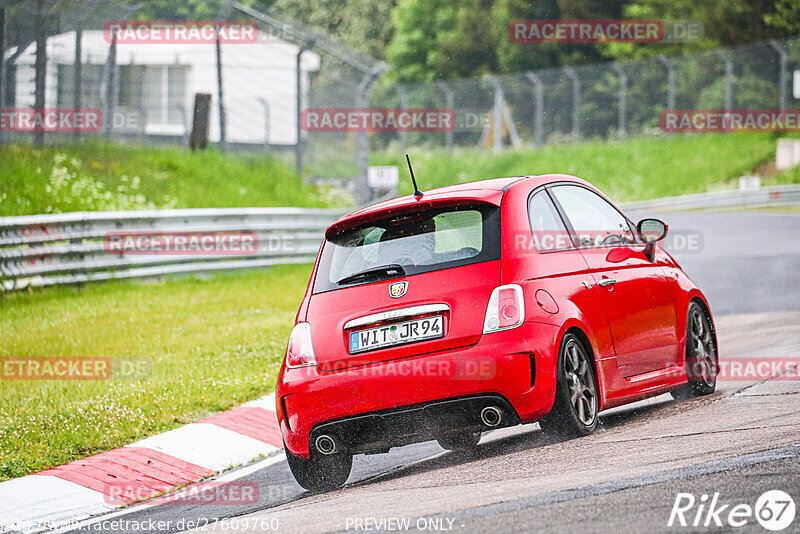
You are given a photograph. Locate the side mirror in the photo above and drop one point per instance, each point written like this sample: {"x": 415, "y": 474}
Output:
{"x": 652, "y": 231}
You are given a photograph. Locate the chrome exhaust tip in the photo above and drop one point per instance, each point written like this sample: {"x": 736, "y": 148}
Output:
{"x": 491, "y": 416}
{"x": 325, "y": 444}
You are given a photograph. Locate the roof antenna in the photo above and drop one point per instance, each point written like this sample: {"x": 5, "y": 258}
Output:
{"x": 417, "y": 192}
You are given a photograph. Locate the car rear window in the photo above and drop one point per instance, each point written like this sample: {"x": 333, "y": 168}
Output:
{"x": 417, "y": 242}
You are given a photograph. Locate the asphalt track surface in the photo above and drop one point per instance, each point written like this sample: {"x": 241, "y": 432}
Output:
{"x": 739, "y": 442}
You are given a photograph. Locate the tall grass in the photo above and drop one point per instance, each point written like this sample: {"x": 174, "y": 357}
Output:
{"x": 637, "y": 169}
{"x": 99, "y": 175}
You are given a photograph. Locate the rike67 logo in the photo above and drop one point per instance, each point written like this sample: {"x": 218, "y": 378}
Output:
{"x": 774, "y": 510}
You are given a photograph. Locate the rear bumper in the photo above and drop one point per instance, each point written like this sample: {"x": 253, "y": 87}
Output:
{"x": 374, "y": 407}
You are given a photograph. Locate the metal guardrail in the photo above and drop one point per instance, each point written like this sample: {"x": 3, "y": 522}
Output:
{"x": 43, "y": 250}
{"x": 69, "y": 248}
{"x": 773, "y": 196}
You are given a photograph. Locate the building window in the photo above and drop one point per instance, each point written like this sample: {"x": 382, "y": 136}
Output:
{"x": 165, "y": 94}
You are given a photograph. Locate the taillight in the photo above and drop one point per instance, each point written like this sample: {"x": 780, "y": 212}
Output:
{"x": 300, "y": 351}
{"x": 506, "y": 309}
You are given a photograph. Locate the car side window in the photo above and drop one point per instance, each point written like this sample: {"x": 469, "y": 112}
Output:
{"x": 596, "y": 222}
{"x": 547, "y": 229}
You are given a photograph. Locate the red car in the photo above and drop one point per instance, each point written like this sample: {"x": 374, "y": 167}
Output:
{"x": 480, "y": 306}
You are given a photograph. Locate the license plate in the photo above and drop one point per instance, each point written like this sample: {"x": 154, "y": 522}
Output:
{"x": 396, "y": 334}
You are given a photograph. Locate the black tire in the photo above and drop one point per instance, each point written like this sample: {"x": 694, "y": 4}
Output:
{"x": 702, "y": 359}
{"x": 575, "y": 408}
{"x": 458, "y": 442}
{"x": 320, "y": 473}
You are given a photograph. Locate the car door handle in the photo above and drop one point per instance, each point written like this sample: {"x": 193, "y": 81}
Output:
{"x": 606, "y": 282}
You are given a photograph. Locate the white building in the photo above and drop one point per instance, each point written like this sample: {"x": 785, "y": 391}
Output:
{"x": 156, "y": 84}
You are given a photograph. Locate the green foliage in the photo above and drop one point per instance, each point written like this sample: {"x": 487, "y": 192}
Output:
{"x": 749, "y": 91}
{"x": 101, "y": 176}
{"x": 442, "y": 39}
{"x": 365, "y": 25}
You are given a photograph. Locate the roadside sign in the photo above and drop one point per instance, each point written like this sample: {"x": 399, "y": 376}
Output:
{"x": 749, "y": 183}
{"x": 383, "y": 177}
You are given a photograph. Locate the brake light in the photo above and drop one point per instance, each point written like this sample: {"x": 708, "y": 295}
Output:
{"x": 506, "y": 309}
{"x": 300, "y": 351}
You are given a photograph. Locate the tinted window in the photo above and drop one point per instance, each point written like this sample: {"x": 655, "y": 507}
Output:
{"x": 547, "y": 228}
{"x": 418, "y": 242}
{"x": 596, "y": 222}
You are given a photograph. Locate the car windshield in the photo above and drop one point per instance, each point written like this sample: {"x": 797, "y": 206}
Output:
{"x": 409, "y": 244}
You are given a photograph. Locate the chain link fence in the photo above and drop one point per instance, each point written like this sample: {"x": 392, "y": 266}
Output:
{"x": 251, "y": 95}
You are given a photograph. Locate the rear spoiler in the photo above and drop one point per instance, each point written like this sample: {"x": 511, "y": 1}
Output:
{"x": 408, "y": 204}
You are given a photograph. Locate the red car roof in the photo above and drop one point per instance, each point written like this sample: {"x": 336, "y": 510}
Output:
{"x": 490, "y": 191}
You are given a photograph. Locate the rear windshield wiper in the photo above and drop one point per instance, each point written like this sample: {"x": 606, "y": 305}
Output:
{"x": 390, "y": 270}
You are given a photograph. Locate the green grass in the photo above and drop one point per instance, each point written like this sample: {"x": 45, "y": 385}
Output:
{"x": 106, "y": 176}
{"x": 209, "y": 344}
{"x": 789, "y": 176}
{"x": 638, "y": 169}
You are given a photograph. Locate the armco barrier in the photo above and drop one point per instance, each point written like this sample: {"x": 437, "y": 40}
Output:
{"x": 43, "y": 250}
{"x": 774, "y": 196}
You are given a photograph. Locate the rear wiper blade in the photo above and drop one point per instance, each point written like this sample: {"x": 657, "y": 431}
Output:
{"x": 390, "y": 270}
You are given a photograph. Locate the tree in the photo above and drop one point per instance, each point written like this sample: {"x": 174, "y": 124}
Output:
{"x": 442, "y": 39}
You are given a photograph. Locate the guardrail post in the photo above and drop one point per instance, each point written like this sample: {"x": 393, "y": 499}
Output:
{"x": 782, "y": 61}
{"x": 448, "y": 103}
{"x": 576, "y": 101}
{"x": 538, "y": 112}
{"x": 623, "y": 89}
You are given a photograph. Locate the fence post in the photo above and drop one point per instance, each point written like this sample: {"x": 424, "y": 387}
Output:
{"x": 362, "y": 192}
{"x": 576, "y": 101}
{"x": 77, "y": 74}
{"x": 623, "y": 89}
{"x": 265, "y": 104}
{"x": 298, "y": 147}
{"x": 220, "y": 100}
{"x": 41, "y": 65}
{"x": 782, "y": 60}
{"x": 448, "y": 103}
{"x": 111, "y": 65}
{"x": 538, "y": 113}
{"x": 728, "y": 78}
{"x": 497, "y": 114}
{"x": 403, "y": 94}
{"x": 670, "y": 83}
